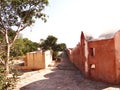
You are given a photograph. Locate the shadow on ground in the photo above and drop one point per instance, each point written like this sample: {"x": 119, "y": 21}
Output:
{"x": 67, "y": 77}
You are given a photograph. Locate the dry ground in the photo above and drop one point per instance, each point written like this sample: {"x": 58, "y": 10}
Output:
{"x": 63, "y": 77}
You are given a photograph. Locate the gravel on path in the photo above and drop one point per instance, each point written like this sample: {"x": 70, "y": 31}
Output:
{"x": 63, "y": 77}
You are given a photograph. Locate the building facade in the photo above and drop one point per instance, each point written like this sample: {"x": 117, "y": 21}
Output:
{"x": 98, "y": 59}
{"x": 36, "y": 60}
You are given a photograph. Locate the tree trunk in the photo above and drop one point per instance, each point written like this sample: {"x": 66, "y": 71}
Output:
{"x": 7, "y": 59}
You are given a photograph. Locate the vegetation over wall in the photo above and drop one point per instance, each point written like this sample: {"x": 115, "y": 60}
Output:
{"x": 50, "y": 43}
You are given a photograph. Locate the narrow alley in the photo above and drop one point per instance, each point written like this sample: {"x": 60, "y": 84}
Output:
{"x": 63, "y": 77}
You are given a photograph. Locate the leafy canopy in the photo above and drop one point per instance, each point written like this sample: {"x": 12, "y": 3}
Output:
{"x": 20, "y": 13}
{"x": 17, "y": 15}
{"x": 51, "y": 43}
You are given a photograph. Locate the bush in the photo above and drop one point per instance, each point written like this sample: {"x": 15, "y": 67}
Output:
{"x": 5, "y": 82}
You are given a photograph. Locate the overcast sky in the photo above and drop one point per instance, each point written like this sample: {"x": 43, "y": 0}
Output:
{"x": 67, "y": 18}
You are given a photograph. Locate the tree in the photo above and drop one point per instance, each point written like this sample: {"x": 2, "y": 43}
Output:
{"x": 22, "y": 46}
{"x": 61, "y": 46}
{"x": 50, "y": 43}
{"x": 17, "y": 48}
{"x": 11, "y": 33}
{"x": 17, "y": 15}
{"x": 29, "y": 46}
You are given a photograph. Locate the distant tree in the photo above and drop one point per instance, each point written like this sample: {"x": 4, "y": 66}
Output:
{"x": 17, "y": 15}
{"x": 29, "y": 46}
{"x": 22, "y": 46}
{"x": 50, "y": 43}
{"x": 61, "y": 46}
{"x": 17, "y": 48}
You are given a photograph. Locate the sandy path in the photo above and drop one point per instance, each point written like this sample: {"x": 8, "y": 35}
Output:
{"x": 63, "y": 77}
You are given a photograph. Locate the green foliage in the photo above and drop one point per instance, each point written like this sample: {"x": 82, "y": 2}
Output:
{"x": 50, "y": 43}
{"x": 29, "y": 45}
{"x": 15, "y": 12}
{"x": 61, "y": 46}
{"x": 6, "y": 83}
{"x": 18, "y": 47}
{"x": 11, "y": 34}
{"x": 17, "y": 15}
{"x": 22, "y": 46}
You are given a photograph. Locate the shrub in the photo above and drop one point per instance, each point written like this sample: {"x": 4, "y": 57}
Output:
{"x": 6, "y": 83}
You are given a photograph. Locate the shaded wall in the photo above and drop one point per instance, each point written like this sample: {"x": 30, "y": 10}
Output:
{"x": 47, "y": 58}
{"x": 117, "y": 50}
{"x": 37, "y": 60}
{"x": 75, "y": 56}
{"x": 102, "y": 60}
{"x": 84, "y": 55}
{"x": 98, "y": 59}
{"x": 80, "y": 55}
{"x": 69, "y": 54}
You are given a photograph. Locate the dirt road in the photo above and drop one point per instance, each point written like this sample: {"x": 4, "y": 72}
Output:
{"x": 63, "y": 77}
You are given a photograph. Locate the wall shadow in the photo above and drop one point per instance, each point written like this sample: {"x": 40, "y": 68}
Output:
{"x": 67, "y": 79}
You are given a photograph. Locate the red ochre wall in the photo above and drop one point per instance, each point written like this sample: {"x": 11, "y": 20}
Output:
{"x": 99, "y": 59}
{"x": 102, "y": 63}
{"x": 117, "y": 50}
{"x": 76, "y": 56}
{"x": 79, "y": 56}
{"x": 101, "y": 66}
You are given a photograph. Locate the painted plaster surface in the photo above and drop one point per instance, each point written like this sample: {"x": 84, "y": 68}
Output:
{"x": 98, "y": 59}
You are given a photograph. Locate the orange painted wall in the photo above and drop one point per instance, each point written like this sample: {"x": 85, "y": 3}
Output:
{"x": 103, "y": 61}
{"x": 69, "y": 54}
{"x": 98, "y": 59}
{"x": 117, "y": 50}
{"x": 75, "y": 56}
{"x": 80, "y": 56}
{"x": 37, "y": 60}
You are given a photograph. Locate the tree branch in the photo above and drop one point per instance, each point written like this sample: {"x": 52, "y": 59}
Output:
{"x": 17, "y": 32}
{"x": 3, "y": 62}
{"x": 2, "y": 26}
{"x": 20, "y": 28}
{"x": 2, "y": 31}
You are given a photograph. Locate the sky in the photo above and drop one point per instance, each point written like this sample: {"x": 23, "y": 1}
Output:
{"x": 67, "y": 18}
